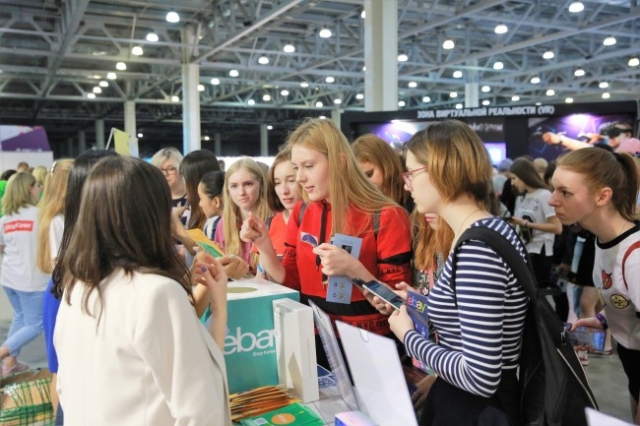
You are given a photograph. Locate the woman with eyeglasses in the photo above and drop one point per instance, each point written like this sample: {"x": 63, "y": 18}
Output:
{"x": 339, "y": 200}
{"x": 168, "y": 161}
{"x": 20, "y": 278}
{"x": 479, "y": 311}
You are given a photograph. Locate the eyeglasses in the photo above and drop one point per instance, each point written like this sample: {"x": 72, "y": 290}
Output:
{"x": 169, "y": 171}
{"x": 408, "y": 176}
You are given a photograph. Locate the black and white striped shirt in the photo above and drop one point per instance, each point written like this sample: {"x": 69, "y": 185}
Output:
{"x": 482, "y": 335}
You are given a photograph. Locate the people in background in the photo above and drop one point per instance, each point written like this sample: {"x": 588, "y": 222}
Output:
{"x": 339, "y": 200}
{"x": 476, "y": 359}
{"x": 383, "y": 166}
{"x": 597, "y": 190}
{"x": 193, "y": 166}
{"x": 40, "y": 173}
{"x": 541, "y": 165}
{"x": 23, "y": 284}
{"x": 282, "y": 196}
{"x": 23, "y": 167}
{"x": 620, "y": 136}
{"x": 245, "y": 192}
{"x": 168, "y": 161}
{"x": 126, "y": 335}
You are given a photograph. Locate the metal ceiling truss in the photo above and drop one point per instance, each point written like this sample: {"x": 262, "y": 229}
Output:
{"x": 54, "y": 52}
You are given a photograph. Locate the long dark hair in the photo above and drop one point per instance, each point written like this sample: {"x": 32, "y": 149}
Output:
{"x": 78, "y": 175}
{"x": 213, "y": 183}
{"x": 115, "y": 233}
{"x": 193, "y": 166}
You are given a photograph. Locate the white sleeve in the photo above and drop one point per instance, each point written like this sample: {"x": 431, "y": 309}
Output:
{"x": 56, "y": 229}
{"x": 170, "y": 340}
{"x": 630, "y": 274}
{"x": 547, "y": 210}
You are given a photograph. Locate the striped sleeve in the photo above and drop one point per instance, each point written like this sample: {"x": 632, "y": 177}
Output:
{"x": 481, "y": 283}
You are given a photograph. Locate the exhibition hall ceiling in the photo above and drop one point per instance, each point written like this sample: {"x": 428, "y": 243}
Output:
{"x": 265, "y": 61}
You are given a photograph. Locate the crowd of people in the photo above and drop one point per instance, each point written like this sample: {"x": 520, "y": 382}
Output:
{"x": 96, "y": 254}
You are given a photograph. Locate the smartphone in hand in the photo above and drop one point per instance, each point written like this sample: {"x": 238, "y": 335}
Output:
{"x": 381, "y": 291}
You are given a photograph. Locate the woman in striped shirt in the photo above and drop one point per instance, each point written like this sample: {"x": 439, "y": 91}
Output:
{"x": 479, "y": 309}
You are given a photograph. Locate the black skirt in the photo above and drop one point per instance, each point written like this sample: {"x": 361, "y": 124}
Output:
{"x": 448, "y": 405}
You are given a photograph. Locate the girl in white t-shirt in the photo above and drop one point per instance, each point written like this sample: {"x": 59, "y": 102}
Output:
{"x": 537, "y": 222}
{"x": 22, "y": 282}
{"x": 597, "y": 189}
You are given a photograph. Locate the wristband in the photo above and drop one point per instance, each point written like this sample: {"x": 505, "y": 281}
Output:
{"x": 603, "y": 321}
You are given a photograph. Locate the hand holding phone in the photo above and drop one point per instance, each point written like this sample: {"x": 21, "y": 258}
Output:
{"x": 381, "y": 291}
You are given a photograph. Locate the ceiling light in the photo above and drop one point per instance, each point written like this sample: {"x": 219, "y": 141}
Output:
{"x": 576, "y": 7}
{"x": 289, "y": 48}
{"x": 251, "y": 102}
{"x": 104, "y": 83}
{"x": 215, "y": 81}
{"x": 200, "y": 88}
{"x": 175, "y": 98}
{"x": 551, "y": 92}
{"x": 633, "y": 62}
{"x": 263, "y": 60}
{"x": 91, "y": 95}
{"x": 569, "y": 100}
{"x": 458, "y": 106}
{"x": 329, "y": 79}
{"x": 535, "y": 80}
{"x": 111, "y": 76}
{"x": 498, "y": 65}
{"x": 548, "y": 54}
{"x": 206, "y": 138}
{"x": 448, "y": 44}
{"x": 152, "y": 37}
{"x": 486, "y": 89}
{"x": 401, "y": 103}
{"x": 359, "y": 96}
{"x": 403, "y": 58}
{"x": 234, "y": 73}
{"x": 337, "y": 101}
{"x": 579, "y": 72}
{"x": 457, "y": 74}
{"x": 486, "y": 102}
{"x": 453, "y": 94}
{"x": 284, "y": 92}
{"x": 319, "y": 104}
{"x": 426, "y": 99}
{"x": 363, "y": 14}
{"x": 606, "y": 95}
{"x": 322, "y": 117}
{"x": 609, "y": 41}
{"x": 266, "y": 97}
{"x": 140, "y": 135}
{"x": 304, "y": 84}
{"x": 603, "y": 85}
{"x": 413, "y": 84}
{"x": 538, "y": 103}
{"x": 325, "y": 33}
{"x": 137, "y": 50}
{"x": 364, "y": 68}
{"x": 121, "y": 66}
{"x": 501, "y": 29}
{"x": 97, "y": 90}
{"x": 515, "y": 98}
{"x": 173, "y": 17}
{"x": 269, "y": 127}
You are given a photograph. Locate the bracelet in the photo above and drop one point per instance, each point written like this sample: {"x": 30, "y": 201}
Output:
{"x": 603, "y": 321}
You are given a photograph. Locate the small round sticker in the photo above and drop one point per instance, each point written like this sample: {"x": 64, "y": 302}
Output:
{"x": 283, "y": 419}
{"x": 618, "y": 301}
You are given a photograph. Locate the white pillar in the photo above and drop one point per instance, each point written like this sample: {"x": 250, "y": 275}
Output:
{"x": 82, "y": 141}
{"x": 100, "y": 134}
{"x": 264, "y": 140}
{"x": 471, "y": 88}
{"x": 381, "y": 55}
{"x": 335, "y": 116}
{"x": 217, "y": 144}
{"x": 190, "y": 94}
{"x": 130, "y": 118}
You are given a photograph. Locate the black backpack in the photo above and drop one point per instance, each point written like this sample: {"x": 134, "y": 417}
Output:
{"x": 553, "y": 384}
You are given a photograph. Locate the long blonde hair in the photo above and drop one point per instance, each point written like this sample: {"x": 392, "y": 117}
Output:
{"x": 231, "y": 216}
{"x": 325, "y": 137}
{"x": 52, "y": 204}
{"x": 17, "y": 193}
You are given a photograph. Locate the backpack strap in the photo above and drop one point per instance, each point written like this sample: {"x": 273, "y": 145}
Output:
{"x": 376, "y": 224}
{"x": 523, "y": 271}
{"x": 303, "y": 207}
{"x": 268, "y": 222}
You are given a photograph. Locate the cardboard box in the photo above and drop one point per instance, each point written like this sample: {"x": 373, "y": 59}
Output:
{"x": 250, "y": 344}
{"x": 25, "y": 399}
